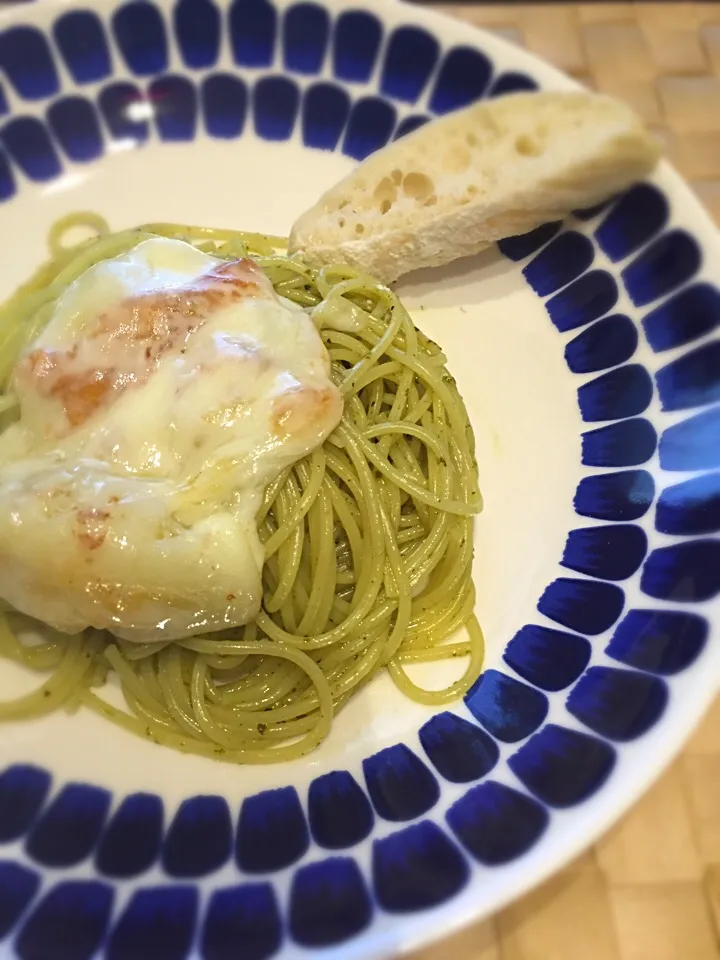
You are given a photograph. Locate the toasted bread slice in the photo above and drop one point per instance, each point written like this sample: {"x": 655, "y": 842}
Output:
{"x": 461, "y": 183}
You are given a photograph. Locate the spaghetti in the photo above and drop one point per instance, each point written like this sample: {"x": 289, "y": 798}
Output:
{"x": 368, "y": 541}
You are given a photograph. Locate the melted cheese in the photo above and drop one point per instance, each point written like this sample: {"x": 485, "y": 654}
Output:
{"x": 167, "y": 391}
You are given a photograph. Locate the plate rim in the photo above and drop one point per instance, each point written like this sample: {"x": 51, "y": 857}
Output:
{"x": 423, "y": 924}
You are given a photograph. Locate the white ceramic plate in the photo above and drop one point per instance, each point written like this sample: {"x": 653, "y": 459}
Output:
{"x": 589, "y": 358}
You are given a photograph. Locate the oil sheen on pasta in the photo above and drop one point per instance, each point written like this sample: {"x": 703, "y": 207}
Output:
{"x": 366, "y": 537}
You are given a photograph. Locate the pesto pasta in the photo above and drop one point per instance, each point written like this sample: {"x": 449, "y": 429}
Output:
{"x": 368, "y": 540}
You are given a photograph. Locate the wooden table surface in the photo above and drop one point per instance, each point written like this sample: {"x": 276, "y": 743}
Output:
{"x": 650, "y": 890}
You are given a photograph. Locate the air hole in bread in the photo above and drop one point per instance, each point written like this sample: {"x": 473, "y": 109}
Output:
{"x": 431, "y": 201}
{"x": 418, "y": 186}
{"x": 341, "y": 222}
{"x": 472, "y": 190}
{"x": 527, "y": 147}
{"x": 359, "y": 228}
{"x": 385, "y": 193}
{"x": 397, "y": 176}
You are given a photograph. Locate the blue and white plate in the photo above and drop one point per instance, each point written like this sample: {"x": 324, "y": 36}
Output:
{"x": 589, "y": 357}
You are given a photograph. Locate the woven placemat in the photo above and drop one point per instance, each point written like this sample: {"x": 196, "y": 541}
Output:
{"x": 650, "y": 890}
